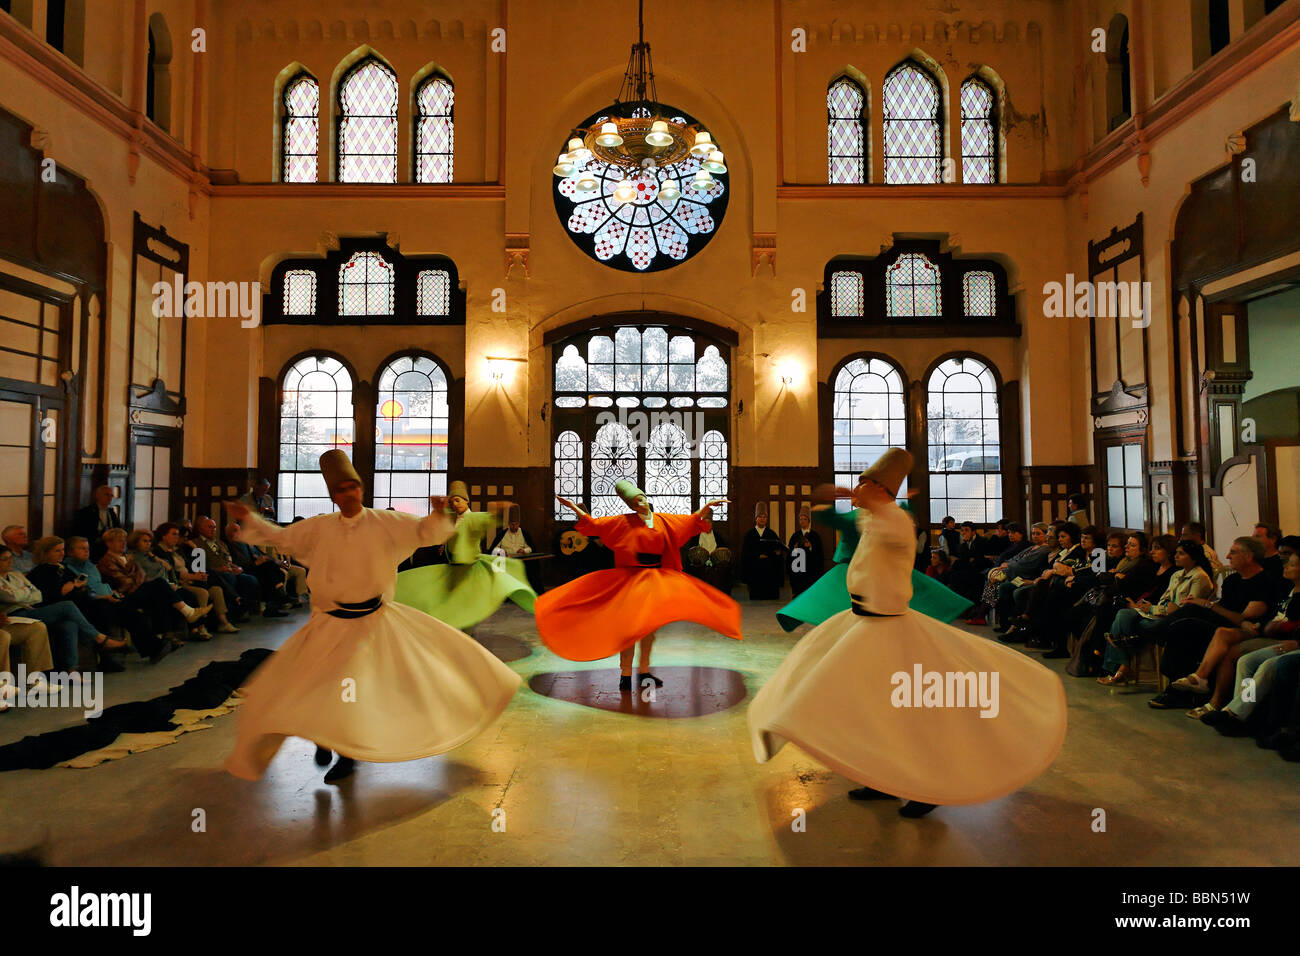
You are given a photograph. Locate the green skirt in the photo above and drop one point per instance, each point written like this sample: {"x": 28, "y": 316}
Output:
{"x": 464, "y": 594}
{"x": 829, "y": 595}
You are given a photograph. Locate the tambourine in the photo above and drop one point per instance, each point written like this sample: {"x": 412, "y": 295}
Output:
{"x": 571, "y": 542}
{"x": 697, "y": 556}
{"x": 722, "y": 556}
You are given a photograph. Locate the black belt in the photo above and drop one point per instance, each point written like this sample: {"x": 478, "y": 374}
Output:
{"x": 861, "y": 611}
{"x": 361, "y": 609}
{"x": 649, "y": 560}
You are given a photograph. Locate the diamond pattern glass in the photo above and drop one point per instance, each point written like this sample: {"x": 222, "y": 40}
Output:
{"x": 979, "y": 294}
{"x": 847, "y": 296}
{"x": 912, "y": 288}
{"x": 366, "y": 285}
{"x": 315, "y": 416}
{"x": 368, "y": 124}
{"x": 978, "y": 143}
{"x": 300, "y": 292}
{"x": 301, "y": 136}
{"x": 845, "y": 132}
{"x": 433, "y": 292}
{"x": 913, "y": 142}
{"x": 965, "y": 452}
{"x": 435, "y": 133}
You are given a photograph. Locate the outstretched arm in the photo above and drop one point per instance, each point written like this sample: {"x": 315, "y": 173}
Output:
{"x": 576, "y": 509}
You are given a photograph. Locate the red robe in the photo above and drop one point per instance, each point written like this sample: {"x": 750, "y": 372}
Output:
{"x": 602, "y": 613}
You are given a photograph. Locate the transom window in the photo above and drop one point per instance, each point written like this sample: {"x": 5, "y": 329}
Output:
{"x": 979, "y": 294}
{"x": 411, "y": 429}
{"x": 846, "y": 132}
{"x": 301, "y": 133}
{"x": 366, "y": 285}
{"x": 847, "y": 298}
{"x": 913, "y": 137}
{"x": 964, "y": 441}
{"x": 315, "y": 416}
{"x": 869, "y": 417}
{"x": 300, "y": 292}
{"x": 644, "y": 403}
{"x": 367, "y": 133}
{"x": 433, "y": 292}
{"x": 434, "y": 130}
{"x": 912, "y": 288}
{"x": 979, "y": 156}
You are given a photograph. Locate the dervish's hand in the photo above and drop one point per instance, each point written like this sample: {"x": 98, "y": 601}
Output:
{"x": 438, "y": 503}
{"x": 238, "y": 510}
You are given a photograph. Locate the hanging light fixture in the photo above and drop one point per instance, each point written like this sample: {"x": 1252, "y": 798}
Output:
{"x": 639, "y": 138}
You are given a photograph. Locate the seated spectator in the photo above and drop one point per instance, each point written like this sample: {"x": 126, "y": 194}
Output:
{"x": 970, "y": 563}
{"x": 296, "y": 586}
{"x": 29, "y": 637}
{"x": 1195, "y": 531}
{"x": 1046, "y": 599}
{"x": 512, "y": 539}
{"x": 1076, "y": 507}
{"x": 1089, "y": 596}
{"x": 949, "y": 536}
{"x": 1230, "y": 645}
{"x": 1270, "y": 536}
{"x": 243, "y": 593}
{"x": 1288, "y": 545}
{"x": 1275, "y": 722}
{"x": 260, "y": 500}
{"x": 67, "y": 627}
{"x": 271, "y": 578}
{"x": 1136, "y": 625}
{"x": 1247, "y": 596}
{"x": 171, "y": 563}
{"x": 1020, "y": 573}
{"x": 940, "y": 567}
{"x": 155, "y": 596}
{"x": 996, "y": 575}
{"x": 15, "y": 539}
{"x": 97, "y": 517}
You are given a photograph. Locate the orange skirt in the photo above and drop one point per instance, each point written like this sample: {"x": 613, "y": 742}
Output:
{"x": 600, "y": 614}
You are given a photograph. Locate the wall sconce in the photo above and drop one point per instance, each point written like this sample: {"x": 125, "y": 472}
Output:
{"x": 788, "y": 370}
{"x": 501, "y": 368}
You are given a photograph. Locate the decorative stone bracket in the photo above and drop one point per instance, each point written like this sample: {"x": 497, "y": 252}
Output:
{"x": 517, "y": 249}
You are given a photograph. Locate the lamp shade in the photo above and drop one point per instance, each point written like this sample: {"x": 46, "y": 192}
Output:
{"x": 609, "y": 137}
{"x": 703, "y": 145}
{"x": 659, "y": 135}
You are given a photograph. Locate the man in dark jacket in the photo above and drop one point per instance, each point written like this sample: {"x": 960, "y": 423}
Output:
{"x": 93, "y": 520}
{"x": 270, "y": 576}
{"x": 760, "y": 559}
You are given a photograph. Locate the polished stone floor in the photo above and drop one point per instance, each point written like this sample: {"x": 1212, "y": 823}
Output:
{"x": 569, "y": 775}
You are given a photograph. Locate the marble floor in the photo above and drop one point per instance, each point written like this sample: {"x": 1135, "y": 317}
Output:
{"x": 578, "y": 778}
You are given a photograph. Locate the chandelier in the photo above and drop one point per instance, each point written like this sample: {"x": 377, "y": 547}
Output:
{"x": 639, "y": 138}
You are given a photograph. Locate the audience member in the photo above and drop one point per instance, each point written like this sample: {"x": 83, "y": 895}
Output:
{"x": 260, "y": 500}
{"x": 97, "y": 517}
{"x": 760, "y": 558}
{"x": 15, "y": 539}
{"x": 1270, "y": 536}
{"x": 242, "y": 590}
{"x": 804, "y": 554}
{"x": 1076, "y": 507}
{"x": 29, "y": 637}
{"x": 166, "y": 549}
{"x": 1018, "y": 571}
{"x": 1195, "y": 531}
{"x": 271, "y": 578}
{"x": 156, "y": 595}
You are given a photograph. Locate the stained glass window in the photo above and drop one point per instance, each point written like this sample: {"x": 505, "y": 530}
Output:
{"x": 912, "y": 288}
{"x": 411, "y": 427}
{"x": 668, "y": 469}
{"x": 433, "y": 292}
{"x": 435, "y": 133}
{"x": 568, "y": 472}
{"x": 847, "y": 298}
{"x": 913, "y": 138}
{"x": 366, "y": 285}
{"x": 869, "y": 416}
{"x": 315, "y": 416}
{"x": 368, "y": 124}
{"x": 650, "y": 232}
{"x": 300, "y": 292}
{"x": 301, "y": 134}
{"x": 964, "y": 441}
{"x": 978, "y": 132}
{"x": 846, "y": 132}
{"x": 979, "y": 294}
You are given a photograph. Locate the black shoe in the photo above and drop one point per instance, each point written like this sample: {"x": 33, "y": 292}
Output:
{"x": 625, "y": 682}
{"x": 1013, "y": 635}
{"x": 642, "y": 678}
{"x": 1170, "y": 700}
{"x": 915, "y": 808}
{"x": 341, "y": 770}
{"x": 1228, "y": 725}
{"x": 164, "y": 648}
{"x": 274, "y": 612}
{"x": 1213, "y": 718}
{"x": 1038, "y": 643}
{"x": 324, "y": 757}
{"x": 866, "y": 793}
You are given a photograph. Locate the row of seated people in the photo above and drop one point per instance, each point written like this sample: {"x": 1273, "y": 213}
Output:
{"x": 150, "y": 587}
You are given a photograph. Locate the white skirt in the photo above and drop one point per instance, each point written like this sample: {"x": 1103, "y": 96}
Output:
{"x": 394, "y": 685}
{"x": 848, "y": 694}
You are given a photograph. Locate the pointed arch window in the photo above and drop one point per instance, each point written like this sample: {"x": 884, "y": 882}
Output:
{"x": 435, "y": 131}
{"x": 315, "y": 416}
{"x": 912, "y": 288}
{"x": 979, "y": 132}
{"x": 411, "y": 433}
{"x": 367, "y": 133}
{"x": 912, "y": 125}
{"x": 300, "y": 134}
{"x": 964, "y": 441}
{"x": 846, "y": 132}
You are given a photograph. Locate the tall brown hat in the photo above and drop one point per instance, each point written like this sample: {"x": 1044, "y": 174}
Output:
{"x": 458, "y": 489}
{"x": 513, "y": 514}
{"x": 337, "y": 468}
{"x": 760, "y": 508}
{"x": 890, "y": 469}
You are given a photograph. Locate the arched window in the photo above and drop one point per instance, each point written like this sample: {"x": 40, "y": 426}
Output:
{"x": 435, "y": 133}
{"x": 979, "y": 294}
{"x": 300, "y": 135}
{"x": 315, "y": 416}
{"x": 979, "y": 132}
{"x": 650, "y": 404}
{"x": 912, "y": 288}
{"x": 568, "y": 471}
{"x": 847, "y": 298}
{"x": 965, "y": 449}
{"x": 158, "y": 83}
{"x": 300, "y": 292}
{"x": 1119, "y": 94}
{"x": 846, "y": 132}
{"x": 366, "y": 285}
{"x": 913, "y": 133}
{"x": 411, "y": 428}
{"x": 367, "y": 134}
{"x": 869, "y": 416}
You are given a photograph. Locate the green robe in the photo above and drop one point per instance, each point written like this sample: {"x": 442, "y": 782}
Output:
{"x": 829, "y": 594}
{"x": 472, "y": 585}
